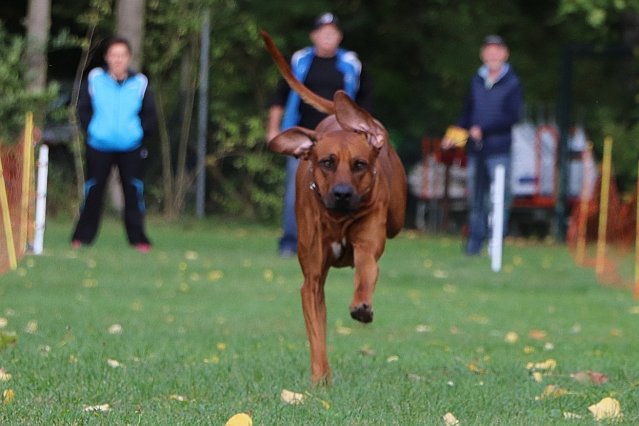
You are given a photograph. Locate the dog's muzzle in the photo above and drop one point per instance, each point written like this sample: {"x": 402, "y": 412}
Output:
{"x": 342, "y": 197}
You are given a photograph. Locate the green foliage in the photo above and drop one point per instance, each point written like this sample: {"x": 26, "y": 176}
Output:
{"x": 213, "y": 316}
{"x": 15, "y": 100}
{"x": 236, "y": 160}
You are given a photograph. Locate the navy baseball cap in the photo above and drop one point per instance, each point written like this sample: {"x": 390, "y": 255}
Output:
{"x": 494, "y": 39}
{"x": 326, "y": 18}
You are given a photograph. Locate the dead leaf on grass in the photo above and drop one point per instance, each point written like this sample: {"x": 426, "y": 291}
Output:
{"x": 4, "y": 376}
{"x": 450, "y": 419}
{"x": 31, "y": 327}
{"x": 239, "y": 419}
{"x": 367, "y": 351}
{"x": 191, "y": 255}
{"x": 552, "y": 391}
{"x": 607, "y": 408}
{"x": 176, "y": 397}
{"x": 423, "y": 328}
{"x": 590, "y": 377}
{"x": 115, "y": 329}
{"x": 8, "y": 395}
{"x": 344, "y": 331}
{"x": 392, "y": 358}
{"x": 292, "y": 398}
{"x": 113, "y": 363}
{"x": 548, "y": 365}
{"x": 571, "y": 416}
{"x": 537, "y": 334}
{"x": 102, "y": 408}
{"x": 511, "y": 337}
{"x": 474, "y": 368}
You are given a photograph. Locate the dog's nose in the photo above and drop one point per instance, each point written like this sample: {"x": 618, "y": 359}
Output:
{"x": 342, "y": 192}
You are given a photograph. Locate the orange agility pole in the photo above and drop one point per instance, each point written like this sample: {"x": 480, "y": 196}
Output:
{"x": 636, "y": 292}
{"x": 606, "y": 167}
{"x": 6, "y": 220}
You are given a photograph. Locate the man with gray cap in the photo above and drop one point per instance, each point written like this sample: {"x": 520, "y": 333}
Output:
{"x": 493, "y": 105}
{"x": 324, "y": 68}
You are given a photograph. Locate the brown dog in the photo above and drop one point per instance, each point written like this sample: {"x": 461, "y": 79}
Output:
{"x": 350, "y": 197}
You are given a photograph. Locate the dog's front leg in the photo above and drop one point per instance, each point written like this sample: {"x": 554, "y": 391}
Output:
{"x": 314, "y": 307}
{"x": 366, "y": 252}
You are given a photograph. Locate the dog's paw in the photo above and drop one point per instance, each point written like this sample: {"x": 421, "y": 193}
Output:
{"x": 362, "y": 313}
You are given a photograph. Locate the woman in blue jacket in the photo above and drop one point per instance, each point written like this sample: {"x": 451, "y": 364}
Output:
{"x": 116, "y": 110}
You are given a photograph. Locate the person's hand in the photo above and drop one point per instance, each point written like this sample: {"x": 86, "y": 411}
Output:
{"x": 475, "y": 133}
{"x": 447, "y": 143}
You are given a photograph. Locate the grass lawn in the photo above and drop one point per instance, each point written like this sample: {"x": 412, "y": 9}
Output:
{"x": 209, "y": 324}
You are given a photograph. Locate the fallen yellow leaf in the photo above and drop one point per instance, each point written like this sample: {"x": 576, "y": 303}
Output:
{"x": 511, "y": 337}
{"x": 115, "y": 329}
{"x": 450, "y": 419}
{"x": 239, "y": 419}
{"x": 344, "y": 331}
{"x": 8, "y": 395}
{"x": 32, "y": 327}
{"x": 552, "y": 391}
{"x": 113, "y": 363}
{"x": 215, "y": 275}
{"x": 102, "y": 408}
{"x": 549, "y": 364}
{"x": 291, "y": 397}
{"x": 4, "y": 376}
{"x": 474, "y": 368}
{"x": 607, "y": 408}
{"x": 175, "y": 397}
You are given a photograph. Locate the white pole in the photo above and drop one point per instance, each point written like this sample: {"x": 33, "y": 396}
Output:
{"x": 41, "y": 200}
{"x": 498, "y": 218}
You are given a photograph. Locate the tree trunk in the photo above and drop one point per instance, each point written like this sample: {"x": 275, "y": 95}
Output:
{"x": 38, "y": 23}
{"x": 129, "y": 20}
{"x": 130, "y": 24}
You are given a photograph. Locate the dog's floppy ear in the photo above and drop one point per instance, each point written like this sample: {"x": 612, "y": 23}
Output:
{"x": 296, "y": 141}
{"x": 351, "y": 117}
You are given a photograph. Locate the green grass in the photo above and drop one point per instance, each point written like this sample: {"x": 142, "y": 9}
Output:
{"x": 213, "y": 315}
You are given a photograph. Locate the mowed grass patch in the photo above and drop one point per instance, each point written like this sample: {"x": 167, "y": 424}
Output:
{"x": 209, "y": 324}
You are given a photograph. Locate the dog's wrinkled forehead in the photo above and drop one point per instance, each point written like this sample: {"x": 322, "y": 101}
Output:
{"x": 355, "y": 143}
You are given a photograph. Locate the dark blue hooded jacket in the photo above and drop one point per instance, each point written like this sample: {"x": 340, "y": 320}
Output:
{"x": 495, "y": 109}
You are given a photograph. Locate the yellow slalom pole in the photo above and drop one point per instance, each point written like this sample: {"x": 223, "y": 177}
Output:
{"x": 26, "y": 178}
{"x": 6, "y": 220}
{"x": 636, "y": 292}
{"x": 603, "y": 204}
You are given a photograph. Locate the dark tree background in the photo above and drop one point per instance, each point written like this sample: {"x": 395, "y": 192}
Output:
{"x": 421, "y": 55}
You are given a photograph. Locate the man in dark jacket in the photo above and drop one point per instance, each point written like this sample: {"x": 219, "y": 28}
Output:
{"x": 493, "y": 106}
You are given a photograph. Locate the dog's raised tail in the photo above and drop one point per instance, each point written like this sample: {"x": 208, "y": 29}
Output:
{"x": 319, "y": 103}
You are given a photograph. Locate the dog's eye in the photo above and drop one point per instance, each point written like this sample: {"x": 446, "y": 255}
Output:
{"x": 327, "y": 164}
{"x": 360, "y": 166}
